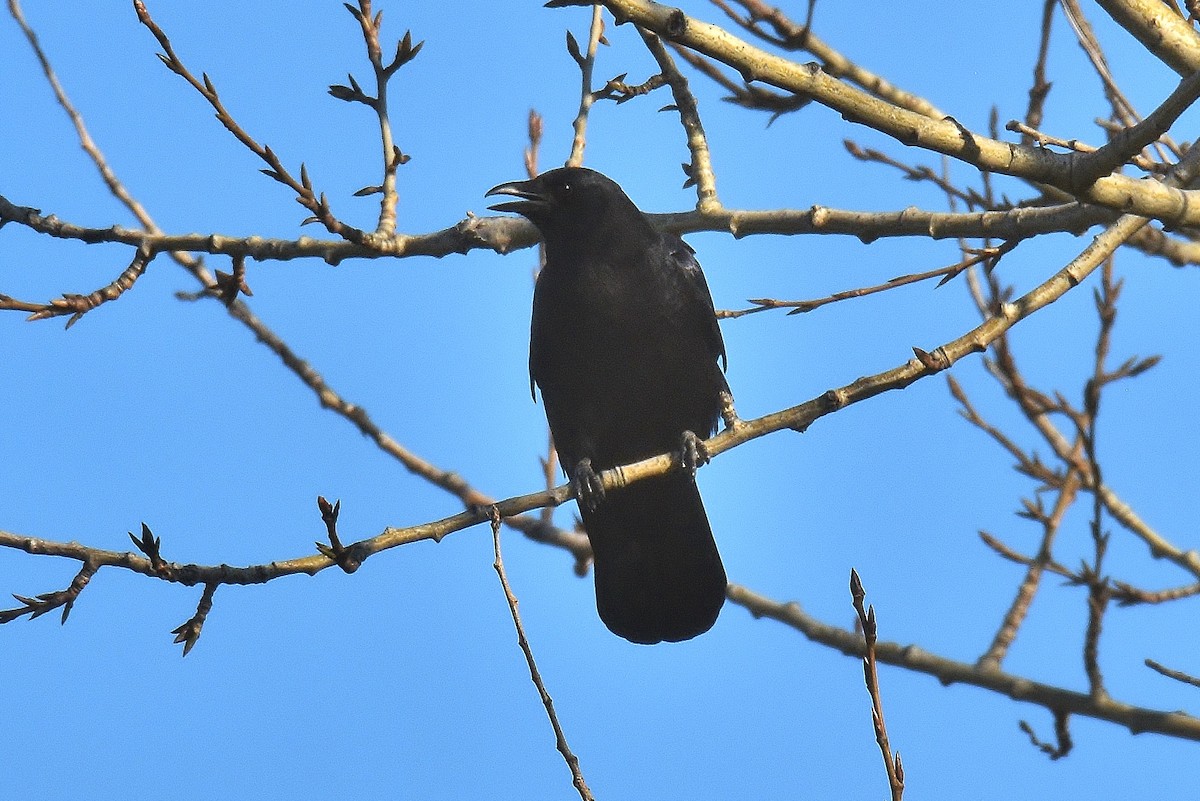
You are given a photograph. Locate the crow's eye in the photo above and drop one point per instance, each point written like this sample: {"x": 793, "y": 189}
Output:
{"x": 566, "y": 187}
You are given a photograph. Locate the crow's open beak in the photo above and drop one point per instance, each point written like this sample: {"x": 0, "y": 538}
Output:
{"x": 529, "y": 191}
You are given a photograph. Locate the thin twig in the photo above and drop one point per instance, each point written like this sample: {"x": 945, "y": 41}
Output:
{"x": 1126, "y": 594}
{"x": 303, "y": 187}
{"x": 189, "y": 632}
{"x": 866, "y": 618}
{"x": 1173, "y": 674}
{"x": 950, "y": 671}
{"x": 393, "y": 157}
{"x": 39, "y": 605}
{"x": 586, "y": 61}
{"x": 550, "y": 461}
{"x": 79, "y": 305}
{"x": 1034, "y": 135}
{"x": 1099, "y": 591}
{"x": 919, "y": 173}
{"x": 1006, "y": 552}
{"x": 1040, "y": 89}
{"x": 1027, "y": 463}
{"x": 794, "y": 36}
{"x": 1122, "y": 109}
{"x": 1019, "y": 608}
{"x": 989, "y": 256}
{"x": 700, "y": 170}
{"x": 1062, "y": 733}
{"x": 560, "y": 739}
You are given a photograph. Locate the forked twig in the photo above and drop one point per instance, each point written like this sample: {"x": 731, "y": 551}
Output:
{"x": 306, "y": 196}
{"x": 393, "y": 157}
{"x": 1062, "y": 733}
{"x": 586, "y": 60}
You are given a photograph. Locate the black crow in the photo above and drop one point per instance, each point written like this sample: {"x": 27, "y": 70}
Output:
{"x": 624, "y": 346}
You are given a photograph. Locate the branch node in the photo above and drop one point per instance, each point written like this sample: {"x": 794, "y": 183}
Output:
{"x": 189, "y": 632}
{"x": 346, "y": 558}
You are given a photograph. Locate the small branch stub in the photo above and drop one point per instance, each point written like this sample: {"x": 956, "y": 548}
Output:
{"x": 150, "y": 546}
{"x": 189, "y": 632}
{"x": 344, "y": 557}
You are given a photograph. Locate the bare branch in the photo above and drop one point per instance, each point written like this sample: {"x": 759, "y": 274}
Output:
{"x": 79, "y": 305}
{"x": 949, "y": 671}
{"x": 1062, "y": 733}
{"x": 406, "y": 51}
{"x": 506, "y": 234}
{"x": 305, "y": 195}
{"x": 801, "y": 37}
{"x": 866, "y": 620}
{"x": 700, "y": 170}
{"x": 947, "y": 136}
{"x": 1173, "y": 674}
{"x": 49, "y": 601}
{"x": 587, "y": 63}
{"x": 1040, "y": 89}
{"x": 189, "y": 632}
{"x": 534, "y": 674}
{"x": 1164, "y": 33}
{"x": 1019, "y": 608}
{"x": 989, "y": 255}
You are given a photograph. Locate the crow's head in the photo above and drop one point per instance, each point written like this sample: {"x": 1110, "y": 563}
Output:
{"x": 571, "y": 205}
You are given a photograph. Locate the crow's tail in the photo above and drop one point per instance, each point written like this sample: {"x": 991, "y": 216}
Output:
{"x": 658, "y": 574}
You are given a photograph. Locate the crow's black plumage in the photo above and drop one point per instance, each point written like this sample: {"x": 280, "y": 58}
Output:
{"x": 624, "y": 346}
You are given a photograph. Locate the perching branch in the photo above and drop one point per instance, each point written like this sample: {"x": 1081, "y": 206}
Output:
{"x": 798, "y": 417}
{"x": 1082, "y": 190}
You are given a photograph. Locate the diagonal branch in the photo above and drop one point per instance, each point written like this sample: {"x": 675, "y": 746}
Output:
{"x": 946, "y": 136}
{"x": 305, "y": 195}
{"x": 535, "y": 675}
{"x": 700, "y": 171}
{"x": 949, "y": 671}
{"x": 1160, "y": 29}
{"x": 801, "y": 38}
{"x": 798, "y": 418}
{"x": 1018, "y": 610}
{"x": 79, "y": 305}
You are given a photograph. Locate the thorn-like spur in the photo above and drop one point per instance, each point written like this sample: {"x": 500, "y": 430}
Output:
{"x": 589, "y": 489}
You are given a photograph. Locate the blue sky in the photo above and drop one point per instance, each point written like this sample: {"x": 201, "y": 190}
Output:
{"x": 404, "y": 680}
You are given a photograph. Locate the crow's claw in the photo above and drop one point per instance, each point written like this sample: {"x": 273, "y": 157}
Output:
{"x": 589, "y": 490}
{"x": 693, "y": 453}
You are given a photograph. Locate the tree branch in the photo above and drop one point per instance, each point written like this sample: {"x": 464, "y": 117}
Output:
{"x": 948, "y": 671}
{"x": 946, "y": 136}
